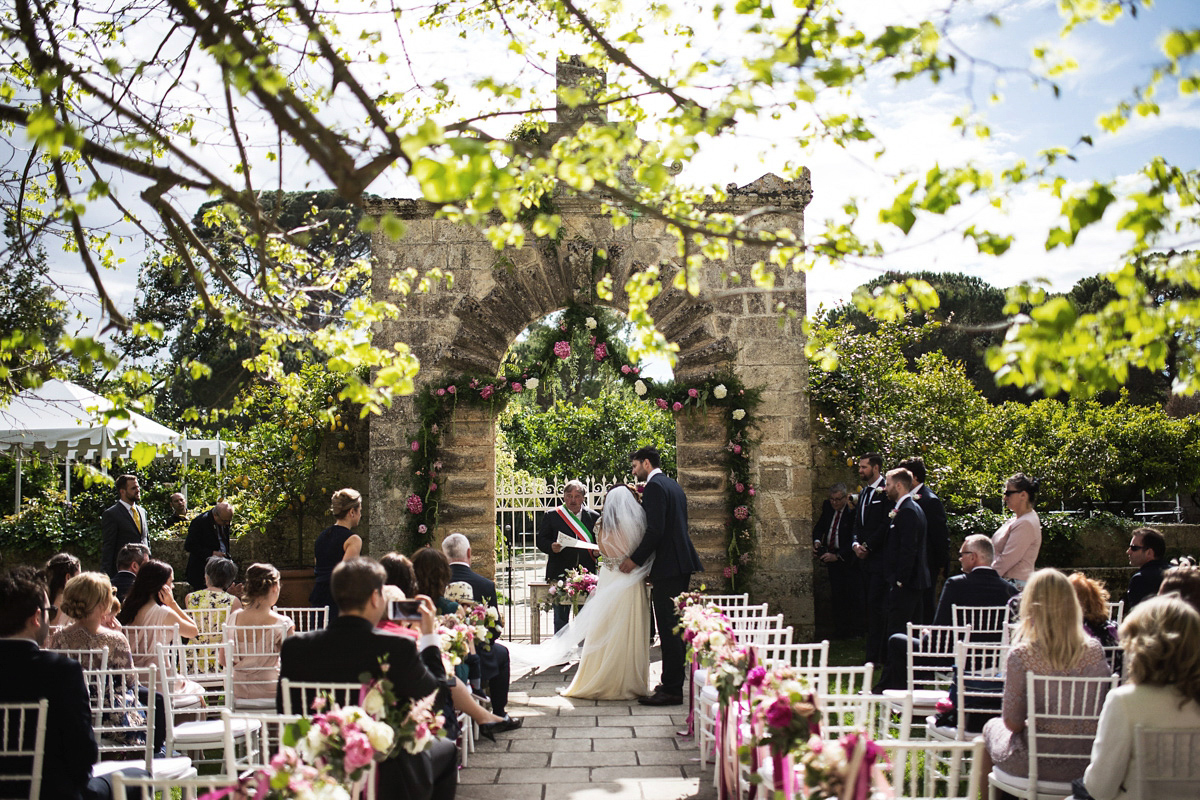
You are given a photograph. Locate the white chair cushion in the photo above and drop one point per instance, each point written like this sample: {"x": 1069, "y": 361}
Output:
{"x": 210, "y": 730}
{"x": 257, "y": 703}
{"x": 1022, "y": 784}
{"x": 175, "y": 768}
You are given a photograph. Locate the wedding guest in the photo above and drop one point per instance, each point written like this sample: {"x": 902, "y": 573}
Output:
{"x": 336, "y": 544}
{"x": 573, "y": 520}
{"x": 129, "y": 559}
{"x": 178, "y": 505}
{"x": 255, "y": 675}
{"x": 30, "y": 674}
{"x": 1050, "y": 641}
{"x": 494, "y": 663}
{"x": 432, "y": 571}
{"x": 870, "y": 544}
{"x": 400, "y": 573}
{"x": 207, "y": 536}
{"x": 350, "y": 647}
{"x": 1183, "y": 581}
{"x": 59, "y": 569}
{"x": 152, "y": 603}
{"x": 122, "y": 523}
{"x": 833, "y": 546}
{"x": 1018, "y": 540}
{"x": 219, "y": 575}
{"x": 1093, "y": 601}
{"x": 88, "y": 598}
{"x": 1161, "y": 638}
{"x": 1147, "y": 553}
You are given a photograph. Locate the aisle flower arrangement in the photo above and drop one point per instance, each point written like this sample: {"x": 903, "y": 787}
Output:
{"x": 486, "y": 621}
{"x": 573, "y": 588}
{"x": 456, "y": 637}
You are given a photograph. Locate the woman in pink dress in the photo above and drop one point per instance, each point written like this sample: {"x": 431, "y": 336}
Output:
{"x": 1018, "y": 541}
{"x": 151, "y": 602}
{"x": 258, "y": 631}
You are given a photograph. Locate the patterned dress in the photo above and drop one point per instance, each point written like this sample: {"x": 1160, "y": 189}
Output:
{"x": 1010, "y": 751}
{"x": 77, "y": 637}
{"x": 214, "y": 605}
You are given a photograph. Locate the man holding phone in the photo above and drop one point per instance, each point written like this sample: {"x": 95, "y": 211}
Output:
{"x": 351, "y": 646}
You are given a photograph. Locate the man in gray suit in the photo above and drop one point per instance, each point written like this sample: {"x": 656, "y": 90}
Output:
{"x": 124, "y": 522}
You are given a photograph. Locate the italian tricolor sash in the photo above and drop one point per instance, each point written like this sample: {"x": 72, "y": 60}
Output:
{"x": 575, "y": 525}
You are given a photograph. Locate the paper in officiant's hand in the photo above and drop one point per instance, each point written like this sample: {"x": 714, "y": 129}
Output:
{"x": 572, "y": 541}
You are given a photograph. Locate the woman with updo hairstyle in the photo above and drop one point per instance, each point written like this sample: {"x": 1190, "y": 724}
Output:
{"x": 336, "y": 544}
{"x": 1161, "y": 637}
{"x": 1018, "y": 540}
{"x": 1183, "y": 581}
{"x": 58, "y": 570}
{"x": 87, "y": 598}
{"x": 257, "y": 623}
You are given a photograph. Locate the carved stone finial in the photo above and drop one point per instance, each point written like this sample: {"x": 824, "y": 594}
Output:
{"x": 573, "y": 73}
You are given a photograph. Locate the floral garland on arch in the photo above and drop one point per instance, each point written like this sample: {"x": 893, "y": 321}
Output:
{"x": 436, "y": 404}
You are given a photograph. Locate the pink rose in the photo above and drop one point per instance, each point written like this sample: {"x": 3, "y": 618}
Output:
{"x": 422, "y": 529}
{"x": 359, "y": 752}
{"x": 487, "y": 391}
{"x": 750, "y": 491}
{"x": 625, "y": 370}
{"x": 433, "y": 487}
{"x": 779, "y": 715}
{"x": 737, "y": 449}
{"x": 562, "y": 349}
{"x": 415, "y": 446}
{"x": 661, "y": 404}
{"x": 451, "y": 389}
{"x": 441, "y": 392}
{"x": 692, "y": 393}
{"x": 739, "y": 487}
{"x": 677, "y": 406}
{"x": 516, "y": 387}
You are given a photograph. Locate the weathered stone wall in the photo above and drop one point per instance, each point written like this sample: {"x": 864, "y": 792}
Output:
{"x": 469, "y": 328}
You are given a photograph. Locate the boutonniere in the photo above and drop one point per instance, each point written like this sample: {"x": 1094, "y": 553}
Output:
{"x": 892, "y": 514}
{"x": 880, "y": 490}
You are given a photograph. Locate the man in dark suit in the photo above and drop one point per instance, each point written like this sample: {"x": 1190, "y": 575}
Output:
{"x": 906, "y": 555}
{"x": 937, "y": 533}
{"x": 870, "y": 542}
{"x": 122, "y": 523}
{"x": 351, "y": 646}
{"x": 675, "y": 560}
{"x": 208, "y": 536}
{"x": 978, "y": 585}
{"x": 576, "y": 522}
{"x": 833, "y": 545}
{"x": 129, "y": 560}
{"x": 1147, "y": 551}
{"x": 28, "y": 674}
{"x": 494, "y": 667}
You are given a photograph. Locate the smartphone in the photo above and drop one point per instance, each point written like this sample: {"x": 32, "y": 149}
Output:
{"x": 406, "y": 609}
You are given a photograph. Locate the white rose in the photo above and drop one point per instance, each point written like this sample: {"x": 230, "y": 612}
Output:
{"x": 717, "y": 639}
{"x": 640, "y": 388}
{"x": 719, "y": 391}
{"x": 381, "y": 736}
{"x": 739, "y": 413}
{"x": 373, "y": 703}
{"x": 531, "y": 383}
{"x": 591, "y": 323}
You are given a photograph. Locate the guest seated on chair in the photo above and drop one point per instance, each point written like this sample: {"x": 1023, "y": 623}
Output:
{"x": 29, "y": 674}
{"x": 255, "y": 675}
{"x": 152, "y": 602}
{"x": 1161, "y": 638}
{"x": 1049, "y": 641}
{"x": 219, "y": 575}
{"x": 1093, "y": 600}
{"x": 129, "y": 560}
{"x": 58, "y": 570}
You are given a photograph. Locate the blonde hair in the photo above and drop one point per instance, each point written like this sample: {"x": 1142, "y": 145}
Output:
{"x": 1051, "y": 619}
{"x": 1161, "y": 638}
{"x": 84, "y": 592}
{"x": 1092, "y": 597}
{"x": 344, "y": 501}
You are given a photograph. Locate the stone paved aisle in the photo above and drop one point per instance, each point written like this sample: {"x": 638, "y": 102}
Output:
{"x": 586, "y": 750}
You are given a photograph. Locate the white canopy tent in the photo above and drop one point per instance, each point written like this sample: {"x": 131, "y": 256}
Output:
{"x": 63, "y": 419}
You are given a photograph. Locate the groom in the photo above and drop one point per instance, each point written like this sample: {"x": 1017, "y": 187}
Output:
{"x": 675, "y": 560}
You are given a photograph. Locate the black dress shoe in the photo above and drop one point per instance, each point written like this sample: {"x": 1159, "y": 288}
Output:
{"x": 661, "y": 698}
{"x": 505, "y": 725}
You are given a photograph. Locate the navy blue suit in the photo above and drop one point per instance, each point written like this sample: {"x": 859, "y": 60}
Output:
{"x": 907, "y": 565}
{"x": 1145, "y": 582}
{"x": 675, "y": 560}
{"x": 118, "y": 529}
{"x": 937, "y": 545}
{"x": 982, "y": 586}
{"x": 871, "y": 530}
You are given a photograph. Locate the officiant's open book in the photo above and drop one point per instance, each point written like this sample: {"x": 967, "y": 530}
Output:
{"x": 570, "y": 541}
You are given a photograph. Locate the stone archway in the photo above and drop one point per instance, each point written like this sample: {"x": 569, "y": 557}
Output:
{"x": 495, "y": 295}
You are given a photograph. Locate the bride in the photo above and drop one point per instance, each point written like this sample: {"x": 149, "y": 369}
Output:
{"x": 614, "y": 624}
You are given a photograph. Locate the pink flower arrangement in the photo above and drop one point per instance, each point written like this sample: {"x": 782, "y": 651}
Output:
{"x": 414, "y": 504}
{"x": 731, "y": 571}
{"x": 625, "y": 370}
{"x": 677, "y": 406}
{"x": 661, "y": 403}
{"x": 601, "y": 351}
{"x": 693, "y": 393}
{"x": 562, "y": 349}
{"x": 487, "y": 391}
{"x": 741, "y": 513}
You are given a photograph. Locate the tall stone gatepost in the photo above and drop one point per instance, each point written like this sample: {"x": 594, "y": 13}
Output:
{"x": 497, "y": 294}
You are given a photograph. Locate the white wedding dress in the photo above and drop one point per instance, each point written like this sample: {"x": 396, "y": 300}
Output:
{"x": 614, "y": 624}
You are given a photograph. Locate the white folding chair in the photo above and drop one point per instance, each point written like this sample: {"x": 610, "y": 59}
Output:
{"x": 979, "y": 685}
{"x": 196, "y": 727}
{"x": 211, "y": 623}
{"x": 298, "y": 696}
{"x": 88, "y": 658}
{"x": 124, "y": 725}
{"x": 987, "y": 623}
{"x": 144, "y": 639}
{"x": 1062, "y": 717}
{"x": 252, "y": 647}
{"x": 263, "y": 740}
{"x": 739, "y": 612}
{"x": 306, "y": 619}
{"x": 728, "y": 601}
{"x": 930, "y": 667}
{"x": 844, "y": 699}
{"x": 188, "y": 788}
{"x": 1166, "y": 763}
{"x": 22, "y": 740}
{"x": 800, "y": 655}
{"x": 1116, "y": 611}
{"x": 923, "y": 770}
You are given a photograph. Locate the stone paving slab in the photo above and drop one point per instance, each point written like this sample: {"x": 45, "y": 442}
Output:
{"x": 570, "y": 749}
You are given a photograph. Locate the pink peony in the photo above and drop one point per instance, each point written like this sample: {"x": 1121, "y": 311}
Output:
{"x": 415, "y": 446}
{"x": 601, "y": 351}
{"x": 662, "y": 404}
{"x": 737, "y": 449}
{"x": 487, "y": 391}
{"x": 516, "y": 387}
{"x": 779, "y": 715}
{"x": 756, "y": 676}
{"x": 359, "y": 752}
{"x": 625, "y": 370}
{"x": 451, "y": 389}
{"x": 562, "y": 349}
{"x": 739, "y": 487}
{"x": 677, "y": 406}
{"x": 693, "y": 393}
{"x": 741, "y": 512}
{"x": 414, "y": 504}
{"x": 441, "y": 392}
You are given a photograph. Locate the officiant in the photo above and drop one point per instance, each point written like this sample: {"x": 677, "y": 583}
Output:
{"x": 576, "y": 522}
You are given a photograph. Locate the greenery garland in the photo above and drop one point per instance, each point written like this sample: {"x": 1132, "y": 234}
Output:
{"x": 435, "y": 407}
